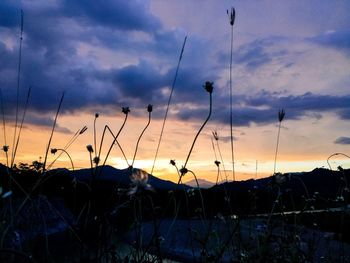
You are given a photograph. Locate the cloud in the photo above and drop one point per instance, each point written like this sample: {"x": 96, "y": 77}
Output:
{"x": 62, "y": 47}
{"x": 333, "y": 39}
{"x": 126, "y": 15}
{"x": 258, "y": 53}
{"x": 342, "y": 140}
{"x": 262, "y": 107}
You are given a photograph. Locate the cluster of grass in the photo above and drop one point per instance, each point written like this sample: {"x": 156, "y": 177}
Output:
{"x": 61, "y": 215}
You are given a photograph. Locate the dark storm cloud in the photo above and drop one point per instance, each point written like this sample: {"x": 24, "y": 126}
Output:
{"x": 52, "y": 62}
{"x": 255, "y": 54}
{"x": 342, "y": 140}
{"x": 336, "y": 39}
{"x": 344, "y": 114}
{"x": 141, "y": 81}
{"x": 262, "y": 108}
{"x": 127, "y": 15}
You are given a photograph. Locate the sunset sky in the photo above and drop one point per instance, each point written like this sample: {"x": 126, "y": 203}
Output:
{"x": 110, "y": 54}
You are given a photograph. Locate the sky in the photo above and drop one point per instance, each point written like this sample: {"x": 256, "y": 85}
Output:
{"x": 105, "y": 55}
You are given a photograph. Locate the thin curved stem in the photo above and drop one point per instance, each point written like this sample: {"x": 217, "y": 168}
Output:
{"x": 20, "y": 128}
{"x": 95, "y": 132}
{"x": 231, "y": 109}
{"x": 68, "y": 144}
{"x": 4, "y": 126}
{"x": 71, "y": 161}
{"x": 278, "y": 138}
{"x": 52, "y": 131}
{"x": 334, "y": 154}
{"x": 138, "y": 141}
{"x": 217, "y": 176}
{"x": 201, "y": 128}
{"x": 18, "y": 84}
{"x": 168, "y": 105}
{"x": 200, "y": 193}
{"x": 222, "y": 160}
{"x": 114, "y": 141}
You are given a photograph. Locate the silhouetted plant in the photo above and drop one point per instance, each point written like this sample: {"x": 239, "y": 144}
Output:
{"x": 335, "y": 154}
{"x": 208, "y": 86}
{"x": 18, "y": 84}
{"x": 20, "y": 129}
{"x": 126, "y": 111}
{"x": 96, "y": 116}
{"x": 168, "y": 104}
{"x": 232, "y": 16}
{"x": 281, "y": 114}
{"x": 68, "y": 144}
{"x": 54, "y": 151}
{"x": 52, "y": 131}
{"x": 149, "y": 110}
{"x": 5, "y": 147}
{"x": 217, "y": 163}
{"x": 216, "y": 137}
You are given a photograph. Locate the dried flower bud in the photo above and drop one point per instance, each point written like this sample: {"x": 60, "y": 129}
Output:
{"x": 232, "y": 16}
{"x": 149, "y": 108}
{"x": 89, "y": 148}
{"x": 125, "y": 110}
{"x": 96, "y": 159}
{"x": 281, "y": 114}
{"x": 5, "y": 148}
{"x": 53, "y": 150}
{"x": 216, "y": 136}
{"x": 172, "y": 162}
{"x": 183, "y": 171}
{"x": 209, "y": 86}
{"x": 83, "y": 130}
{"x": 217, "y": 163}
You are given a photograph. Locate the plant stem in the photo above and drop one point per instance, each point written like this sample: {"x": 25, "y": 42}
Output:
{"x": 18, "y": 82}
{"x": 114, "y": 141}
{"x": 278, "y": 138}
{"x": 4, "y": 125}
{"x": 52, "y": 131}
{"x": 20, "y": 128}
{"x": 201, "y": 128}
{"x": 138, "y": 141}
{"x": 169, "y": 100}
{"x": 231, "y": 114}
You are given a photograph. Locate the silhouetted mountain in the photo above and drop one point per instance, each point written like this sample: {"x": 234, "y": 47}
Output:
{"x": 318, "y": 189}
{"x": 202, "y": 183}
{"x": 120, "y": 177}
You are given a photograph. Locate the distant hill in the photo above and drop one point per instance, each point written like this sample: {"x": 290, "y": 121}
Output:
{"x": 202, "y": 183}
{"x": 111, "y": 174}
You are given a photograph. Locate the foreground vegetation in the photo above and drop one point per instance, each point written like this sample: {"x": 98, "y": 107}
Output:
{"x": 70, "y": 216}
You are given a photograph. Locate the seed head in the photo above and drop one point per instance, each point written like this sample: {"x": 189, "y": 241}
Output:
{"x": 216, "y": 136}
{"x": 97, "y": 115}
{"x": 5, "y": 148}
{"x": 217, "y": 163}
{"x": 83, "y": 130}
{"x": 281, "y": 114}
{"x": 172, "y": 162}
{"x": 89, "y": 148}
{"x": 209, "y": 86}
{"x": 125, "y": 110}
{"x": 231, "y": 16}
{"x": 149, "y": 108}
{"x": 183, "y": 171}
{"x": 96, "y": 160}
{"x": 53, "y": 150}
